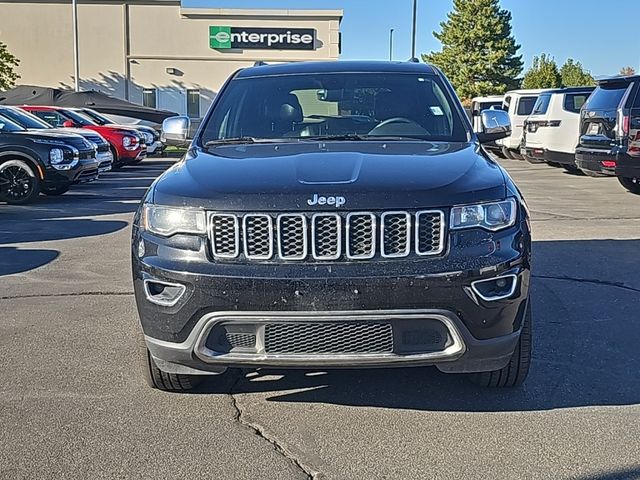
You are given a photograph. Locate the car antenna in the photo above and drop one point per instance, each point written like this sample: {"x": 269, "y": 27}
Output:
{"x": 413, "y": 60}
{"x": 260, "y": 63}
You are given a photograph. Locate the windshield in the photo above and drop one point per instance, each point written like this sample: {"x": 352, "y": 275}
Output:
{"x": 7, "y": 125}
{"x": 336, "y": 106}
{"x": 24, "y": 119}
{"x": 78, "y": 118}
{"x": 97, "y": 117}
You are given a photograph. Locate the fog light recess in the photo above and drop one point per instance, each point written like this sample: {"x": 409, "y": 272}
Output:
{"x": 497, "y": 288}
{"x": 163, "y": 293}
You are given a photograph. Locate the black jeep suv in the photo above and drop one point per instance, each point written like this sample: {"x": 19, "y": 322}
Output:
{"x": 337, "y": 214}
{"x": 40, "y": 161}
{"x": 610, "y": 131}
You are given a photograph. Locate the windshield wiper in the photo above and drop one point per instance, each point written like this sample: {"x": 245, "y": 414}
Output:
{"x": 238, "y": 141}
{"x": 362, "y": 138}
{"x": 346, "y": 136}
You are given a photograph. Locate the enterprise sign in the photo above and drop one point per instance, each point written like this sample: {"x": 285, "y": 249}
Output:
{"x": 262, "y": 38}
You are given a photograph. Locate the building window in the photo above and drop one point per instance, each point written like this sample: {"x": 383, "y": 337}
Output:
{"x": 149, "y": 97}
{"x": 193, "y": 103}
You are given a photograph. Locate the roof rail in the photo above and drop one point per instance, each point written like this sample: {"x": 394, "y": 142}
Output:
{"x": 413, "y": 60}
{"x": 260, "y": 63}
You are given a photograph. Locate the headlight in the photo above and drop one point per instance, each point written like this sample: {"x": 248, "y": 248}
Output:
{"x": 56, "y": 156}
{"x": 490, "y": 216}
{"x": 167, "y": 221}
{"x": 127, "y": 141}
{"x": 148, "y": 138}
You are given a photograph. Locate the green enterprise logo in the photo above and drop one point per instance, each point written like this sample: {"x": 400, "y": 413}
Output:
{"x": 220, "y": 37}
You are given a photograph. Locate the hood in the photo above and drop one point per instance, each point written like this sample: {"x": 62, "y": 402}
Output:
{"x": 83, "y": 132}
{"x": 369, "y": 175}
{"x": 57, "y": 136}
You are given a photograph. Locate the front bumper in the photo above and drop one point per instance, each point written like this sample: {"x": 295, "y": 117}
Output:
{"x": 85, "y": 171}
{"x": 105, "y": 161}
{"x": 436, "y": 288}
{"x": 127, "y": 157}
{"x": 462, "y": 352}
{"x": 156, "y": 147}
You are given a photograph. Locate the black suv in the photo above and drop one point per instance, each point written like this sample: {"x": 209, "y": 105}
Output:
{"x": 610, "y": 131}
{"x": 39, "y": 161}
{"x": 31, "y": 122}
{"x": 338, "y": 214}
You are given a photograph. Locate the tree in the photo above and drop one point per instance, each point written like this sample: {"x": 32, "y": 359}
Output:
{"x": 543, "y": 73}
{"x": 8, "y": 62}
{"x": 574, "y": 75}
{"x": 626, "y": 71}
{"x": 478, "y": 51}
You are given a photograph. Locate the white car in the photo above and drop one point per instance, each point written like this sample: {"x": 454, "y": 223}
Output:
{"x": 519, "y": 104}
{"x": 552, "y": 131}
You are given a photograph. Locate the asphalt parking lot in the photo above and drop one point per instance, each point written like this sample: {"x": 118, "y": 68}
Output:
{"x": 72, "y": 404}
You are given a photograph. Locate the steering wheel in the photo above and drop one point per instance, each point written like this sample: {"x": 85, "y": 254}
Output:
{"x": 389, "y": 121}
{"x": 403, "y": 126}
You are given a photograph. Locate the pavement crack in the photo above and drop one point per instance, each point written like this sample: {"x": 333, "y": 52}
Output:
{"x": 589, "y": 280}
{"x": 259, "y": 430}
{"x": 71, "y": 294}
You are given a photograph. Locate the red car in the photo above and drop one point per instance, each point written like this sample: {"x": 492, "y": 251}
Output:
{"x": 127, "y": 145}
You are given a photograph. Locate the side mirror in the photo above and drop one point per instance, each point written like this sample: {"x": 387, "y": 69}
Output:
{"x": 68, "y": 124}
{"x": 175, "y": 131}
{"x": 496, "y": 124}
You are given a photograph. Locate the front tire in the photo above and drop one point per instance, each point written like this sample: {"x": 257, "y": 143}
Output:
{"x": 23, "y": 186}
{"x": 631, "y": 184}
{"x": 156, "y": 378}
{"x": 516, "y": 371}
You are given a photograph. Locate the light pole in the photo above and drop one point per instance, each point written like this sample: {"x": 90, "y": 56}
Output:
{"x": 76, "y": 61}
{"x": 413, "y": 36}
{"x": 391, "y": 44}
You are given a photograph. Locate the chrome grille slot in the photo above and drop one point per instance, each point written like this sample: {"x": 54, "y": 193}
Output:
{"x": 396, "y": 241}
{"x": 326, "y": 235}
{"x": 292, "y": 237}
{"x": 361, "y": 235}
{"x": 258, "y": 237}
{"x": 429, "y": 232}
{"x": 225, "y": 235}
{"x": 328, "y": 338}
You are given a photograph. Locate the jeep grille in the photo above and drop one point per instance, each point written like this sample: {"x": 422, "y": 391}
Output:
{"x": 326, "y": 236}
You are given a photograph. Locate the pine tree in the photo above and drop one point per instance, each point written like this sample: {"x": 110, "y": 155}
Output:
{"x": 8, "y": 62}
{"x": 478, "y": 51}
{"x": 542, "y": 74}
{"x": 574, "y": 75}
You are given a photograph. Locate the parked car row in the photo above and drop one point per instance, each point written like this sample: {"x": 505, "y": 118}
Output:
{"x": 47, "y": 149}
{"x": 593, "y": 130}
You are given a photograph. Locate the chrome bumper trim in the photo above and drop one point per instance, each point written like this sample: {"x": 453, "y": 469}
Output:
{"x": 195, "y": 344}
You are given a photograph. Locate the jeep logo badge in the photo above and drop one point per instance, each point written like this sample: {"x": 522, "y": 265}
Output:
{"x": 336, "y": 201}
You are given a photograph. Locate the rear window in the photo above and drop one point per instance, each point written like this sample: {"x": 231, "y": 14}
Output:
{"x": 525, "y": 105}
{"x": 541, "y": 105}
{"x": 573, "y": 102}
{"x": 607, "y": 96}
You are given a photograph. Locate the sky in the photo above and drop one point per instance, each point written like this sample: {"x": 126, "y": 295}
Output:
{"x": 603, "y": 39}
